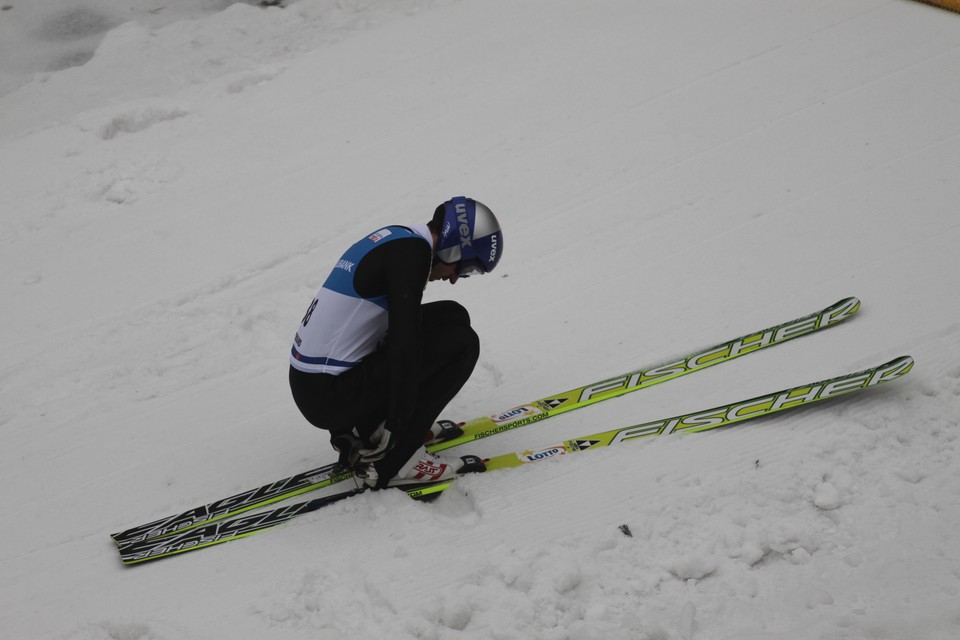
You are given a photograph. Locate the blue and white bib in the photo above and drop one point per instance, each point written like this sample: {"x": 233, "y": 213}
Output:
{"x": 341, "y": 327}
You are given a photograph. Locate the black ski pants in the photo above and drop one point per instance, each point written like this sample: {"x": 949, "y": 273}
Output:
{"x": 357, "y": 399}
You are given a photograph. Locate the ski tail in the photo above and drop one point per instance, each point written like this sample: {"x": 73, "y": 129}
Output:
{"x": 729, "y": 414}
{"x": 223, "y": 530}
{"x": 240, "y": 503}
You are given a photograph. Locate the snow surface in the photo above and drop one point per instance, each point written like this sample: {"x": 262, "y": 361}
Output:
{"x": 42, "y": 36}
{"x": 669, "y": 175}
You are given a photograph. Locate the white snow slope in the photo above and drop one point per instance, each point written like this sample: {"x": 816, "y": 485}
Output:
{"x": 669, "y": 175}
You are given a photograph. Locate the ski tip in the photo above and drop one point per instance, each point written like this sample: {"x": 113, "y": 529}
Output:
{"x": 904, "y": 362}
{"x": 900, "y": 361}
{"x": 852, "y": 304}
{"x": 838, "y": 312}
{"x": 896, "y": 368}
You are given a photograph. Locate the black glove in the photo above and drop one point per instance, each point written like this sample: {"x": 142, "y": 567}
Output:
{"x": 378, "y": 445}
{"x": 349, "y": 446}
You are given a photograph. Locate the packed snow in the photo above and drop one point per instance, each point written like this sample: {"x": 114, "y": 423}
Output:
{"x": 669, "y": 175}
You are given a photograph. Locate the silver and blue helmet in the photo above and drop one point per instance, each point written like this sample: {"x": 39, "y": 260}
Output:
{"x": 469, "y": 237}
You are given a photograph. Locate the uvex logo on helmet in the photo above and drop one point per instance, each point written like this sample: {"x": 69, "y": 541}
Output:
{"x": 466, "y": 233}
{"x": 493, "y": 248}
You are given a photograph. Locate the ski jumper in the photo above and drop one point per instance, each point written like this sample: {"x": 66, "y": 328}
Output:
{"x": 368, "y": 350}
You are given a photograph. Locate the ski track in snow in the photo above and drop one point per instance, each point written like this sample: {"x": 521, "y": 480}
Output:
{"x": 667, "y": 178}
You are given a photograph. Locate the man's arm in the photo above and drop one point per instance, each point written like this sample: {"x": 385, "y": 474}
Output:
{"x": 401, "y": 269}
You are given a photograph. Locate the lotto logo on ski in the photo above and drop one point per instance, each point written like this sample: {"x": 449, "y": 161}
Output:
{"x": 517, "y": 413}
{"x": 721, "y": 353}
{"x": 536, "y": 456}
{"x": 516, "y": 417}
